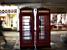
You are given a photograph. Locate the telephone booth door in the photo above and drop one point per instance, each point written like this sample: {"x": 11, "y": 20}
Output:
{"x": 43, "y": 28}
{"x": 26, "y": 26}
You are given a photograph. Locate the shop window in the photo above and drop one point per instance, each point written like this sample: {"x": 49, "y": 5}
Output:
{"x": 58, "y": 21}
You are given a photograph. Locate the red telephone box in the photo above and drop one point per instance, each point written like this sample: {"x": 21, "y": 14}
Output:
{"x": 26, "y": 26}
{"x": 43, "y": 27}
{"x": 28, "y": 37}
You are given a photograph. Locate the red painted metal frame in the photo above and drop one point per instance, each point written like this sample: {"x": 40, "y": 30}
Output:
{"x": 44, "y": 42}
{"x": 22, "y": 41}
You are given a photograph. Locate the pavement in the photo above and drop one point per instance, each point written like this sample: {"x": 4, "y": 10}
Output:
{"x": 12, "y": 38}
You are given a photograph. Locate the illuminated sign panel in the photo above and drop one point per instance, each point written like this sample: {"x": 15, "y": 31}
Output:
{"x": 9, "y": 11}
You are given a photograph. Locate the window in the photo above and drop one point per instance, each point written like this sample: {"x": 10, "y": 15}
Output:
{"x": 58, "y": 21}
{"x": 41, "y": 26}
{"x": 26, "y": 28}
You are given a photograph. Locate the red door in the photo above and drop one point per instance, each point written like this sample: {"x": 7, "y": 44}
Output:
{"x": 43, "y": 28}
{"x": 26, "y": 26}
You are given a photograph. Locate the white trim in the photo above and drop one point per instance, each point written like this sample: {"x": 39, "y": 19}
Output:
{"x": 26, "y": 11}
{"x": 44, "y": 11}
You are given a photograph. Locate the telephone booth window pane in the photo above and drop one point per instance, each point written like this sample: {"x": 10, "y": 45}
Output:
{"x": 25, "y": 23}
{"x": 42, "y": 33}
{"x": 27, "y": 38}
{"x": 25, "y": 20}
{"x": 41, "y": 37}
{"x": 27, "y": 33}
{"x": 41, "y": 26}
{"x": 26, "y": 17}
{"x": 26, "y": 28}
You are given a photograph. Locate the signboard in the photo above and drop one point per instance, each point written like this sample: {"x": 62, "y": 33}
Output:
{"x": 8, "y": 9}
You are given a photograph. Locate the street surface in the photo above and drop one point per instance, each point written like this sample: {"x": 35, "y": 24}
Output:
{"x": 12, "y": 38}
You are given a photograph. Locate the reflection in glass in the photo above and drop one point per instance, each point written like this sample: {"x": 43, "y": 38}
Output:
{"x": 58, "y": 21}
{"x": 41, "y": 26}
{"x": 26, "y": 28}
{"x": 27, "y": 33}
{"x": 25, "y": 23}
{"x": 41, "y": 37}
{"x": 26, "y": 17}
{"x": 42, "y": 33}
{"x": 26, "y": 20}
{"x": 54, "y": 18}
{"x": 27, "y": 38}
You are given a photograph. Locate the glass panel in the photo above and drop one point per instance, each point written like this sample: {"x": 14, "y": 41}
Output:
{"x": 41, "y": 26}
{"x": 26, "y": 23}
{"x": 27, "y": 38}
{"x": 42, "y": 33}
{"x": 26, "y": 28}
{"x": 41, "y": 23}
{"x": 25, "y": 17}
{"x": 41, "y": 37}
{"x": 59, "y": 21}
{"x": 26, "y": 20}
{"x": 41, "y": 18}
{"x": 27, "y": 33}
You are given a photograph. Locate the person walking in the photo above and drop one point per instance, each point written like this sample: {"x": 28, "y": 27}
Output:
{"x": 2, "y": 37}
